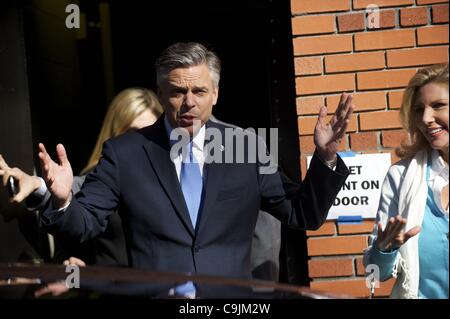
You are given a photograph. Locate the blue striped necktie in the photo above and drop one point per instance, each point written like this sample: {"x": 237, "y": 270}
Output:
{"x": 191, "y": 184}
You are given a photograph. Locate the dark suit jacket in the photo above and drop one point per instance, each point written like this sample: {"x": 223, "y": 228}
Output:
{"x": 106, "y": 249}
{"x": 136, "y": 176}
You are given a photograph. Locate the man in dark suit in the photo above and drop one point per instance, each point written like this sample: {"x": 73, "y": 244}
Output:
{"x": 198, "y": 218}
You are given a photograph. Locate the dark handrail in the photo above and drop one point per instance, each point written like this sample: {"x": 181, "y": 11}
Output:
{"x": 53, "y": 272}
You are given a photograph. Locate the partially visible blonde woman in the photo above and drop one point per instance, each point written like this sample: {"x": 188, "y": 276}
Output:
{"x": 410, "y": 238}
{"x": 131, "y": 109}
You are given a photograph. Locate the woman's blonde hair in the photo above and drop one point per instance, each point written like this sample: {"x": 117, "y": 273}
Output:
{"x": 416, "y": 140}
{"x": 123, "y": 110}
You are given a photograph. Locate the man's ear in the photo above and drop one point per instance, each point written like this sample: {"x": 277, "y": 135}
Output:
{"x": 216, "y": 95}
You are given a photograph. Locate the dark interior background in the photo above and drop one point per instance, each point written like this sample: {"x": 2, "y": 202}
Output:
{"x": 70, "y": 77}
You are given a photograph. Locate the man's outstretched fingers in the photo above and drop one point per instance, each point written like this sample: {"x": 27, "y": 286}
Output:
{"x": 342, "y": 129}
{"x": 349, "y": 112}
{"x": 322, "y": 116}
{"x": 42, "y": 149}
{"x": 347, "y": 107}
{"x": 3, "y": 164}
{"x": 62, "y": 155}
{"x": 343, "y": 101}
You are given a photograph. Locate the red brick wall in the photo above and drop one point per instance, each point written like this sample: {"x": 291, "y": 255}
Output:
{"x": 335, "y": 51}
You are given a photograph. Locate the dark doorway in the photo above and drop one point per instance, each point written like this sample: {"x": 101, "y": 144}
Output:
{"x": 238, "y": 31}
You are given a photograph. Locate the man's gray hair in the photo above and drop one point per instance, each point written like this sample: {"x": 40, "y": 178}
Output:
{"x": 184, "y": 55}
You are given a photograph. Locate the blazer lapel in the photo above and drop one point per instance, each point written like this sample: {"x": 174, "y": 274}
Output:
{"x": 158, "y": 152}
{"x": 212, "y": 187}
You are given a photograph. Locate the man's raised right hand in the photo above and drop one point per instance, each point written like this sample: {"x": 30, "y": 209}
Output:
{"x": 57, "y": 176}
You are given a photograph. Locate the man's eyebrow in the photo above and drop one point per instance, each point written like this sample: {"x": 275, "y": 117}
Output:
{"x": 175, "y": 86}
{"x": 196, "y": 87}
{"x": 200, "y": 87}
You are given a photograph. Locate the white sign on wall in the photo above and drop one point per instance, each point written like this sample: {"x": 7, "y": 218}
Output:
{"x": 361, "y": 192}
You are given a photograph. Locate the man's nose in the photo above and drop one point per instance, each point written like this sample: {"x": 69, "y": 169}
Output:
{"x": 189, "y": 100}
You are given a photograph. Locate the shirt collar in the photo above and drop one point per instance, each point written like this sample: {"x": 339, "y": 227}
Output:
{"x": 438, "y": 166}
{"x": 198, "y": 141}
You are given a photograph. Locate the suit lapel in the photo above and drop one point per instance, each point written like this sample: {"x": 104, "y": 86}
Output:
{"x": 158, "y": 152}
{"x": 212, "y": 187}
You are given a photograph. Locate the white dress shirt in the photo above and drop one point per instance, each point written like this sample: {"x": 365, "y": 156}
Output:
{"x": 198, "y": 143}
